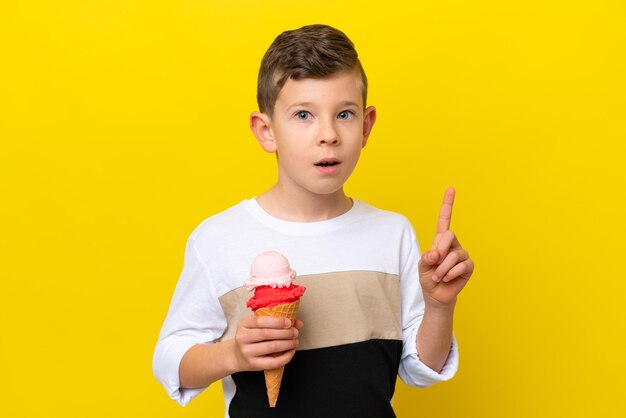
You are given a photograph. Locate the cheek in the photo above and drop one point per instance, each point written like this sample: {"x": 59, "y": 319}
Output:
{"x": 290, "y": 148}
{"x": 290, "y": 154}
{"x": 354, "y": 145}
{"x": 353, "y": 132}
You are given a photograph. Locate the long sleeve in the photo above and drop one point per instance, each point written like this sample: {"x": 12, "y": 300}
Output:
{"x": 412, "y": 370}
{"x": 194, "y": 317}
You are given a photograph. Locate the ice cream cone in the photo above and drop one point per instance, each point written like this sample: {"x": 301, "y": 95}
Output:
{"x": 275, "y": 295}
{"x": 274, "y": 377}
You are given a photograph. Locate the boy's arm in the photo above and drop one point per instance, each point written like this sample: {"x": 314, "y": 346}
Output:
{"x": 204, "y": 364}
{"x": 256, "y": 342}
{"x": 434, "y": 337}
{"x": 444, "y": 270}
{"x": 186, "y": 355}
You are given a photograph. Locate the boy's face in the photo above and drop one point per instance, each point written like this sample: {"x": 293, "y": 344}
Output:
{"x": 318, "y": 129}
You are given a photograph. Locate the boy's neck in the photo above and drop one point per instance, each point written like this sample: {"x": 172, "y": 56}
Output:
{"x": 306, "y": 208}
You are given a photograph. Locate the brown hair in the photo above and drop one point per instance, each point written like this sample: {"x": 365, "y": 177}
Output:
{"x": 314, "y": 51}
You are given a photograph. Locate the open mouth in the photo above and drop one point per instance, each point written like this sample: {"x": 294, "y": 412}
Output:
{"x": 327, "y": 163}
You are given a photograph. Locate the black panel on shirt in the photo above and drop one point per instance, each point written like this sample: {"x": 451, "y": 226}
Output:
{"x": 352, "y": 380}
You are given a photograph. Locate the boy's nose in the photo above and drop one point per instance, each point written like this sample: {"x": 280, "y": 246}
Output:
{"x": 328, "y": 135}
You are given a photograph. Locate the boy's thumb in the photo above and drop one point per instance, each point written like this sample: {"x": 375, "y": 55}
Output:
{"x": 429, "y": 259}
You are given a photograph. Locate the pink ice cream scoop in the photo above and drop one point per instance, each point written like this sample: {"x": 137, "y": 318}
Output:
{"x": 270, "y": 268}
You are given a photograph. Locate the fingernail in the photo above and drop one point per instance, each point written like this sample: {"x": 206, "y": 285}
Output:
{"x": 435, "y": 278}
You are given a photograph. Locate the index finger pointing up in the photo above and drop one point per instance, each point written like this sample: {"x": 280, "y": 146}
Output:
{"x": 445, "y": 214}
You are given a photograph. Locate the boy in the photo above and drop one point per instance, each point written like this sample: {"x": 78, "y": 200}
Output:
{"x": 372, "y": 303}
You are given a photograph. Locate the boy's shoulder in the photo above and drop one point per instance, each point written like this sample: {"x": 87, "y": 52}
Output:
{"x": 220, "y": 222}
{"x": 385, "y": 216}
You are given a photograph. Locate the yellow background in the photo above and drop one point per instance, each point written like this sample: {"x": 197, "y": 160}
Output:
{"x": 123, "y": 124}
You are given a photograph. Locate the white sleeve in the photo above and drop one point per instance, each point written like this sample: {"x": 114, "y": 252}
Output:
{"x": 412, "y": 370}
{"x": 194, "y": 317}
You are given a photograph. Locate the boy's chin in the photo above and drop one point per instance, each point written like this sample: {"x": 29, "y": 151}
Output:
{"x": 327, "y": 190}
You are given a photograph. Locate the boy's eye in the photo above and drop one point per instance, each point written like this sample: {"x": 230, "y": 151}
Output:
{"x": 303, "y": 115}
{"x": 344, "y": 115}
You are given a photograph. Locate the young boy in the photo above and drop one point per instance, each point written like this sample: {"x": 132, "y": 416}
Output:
{"x": 374, "y": 309}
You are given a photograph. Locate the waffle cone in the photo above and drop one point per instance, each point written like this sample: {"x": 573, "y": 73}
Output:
{"x": 274, "y": 377}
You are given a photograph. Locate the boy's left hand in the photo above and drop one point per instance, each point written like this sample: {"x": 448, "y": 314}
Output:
{"x": 444, "y": 269}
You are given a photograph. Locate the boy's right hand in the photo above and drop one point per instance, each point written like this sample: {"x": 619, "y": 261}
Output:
{"x": 265, "y": 342}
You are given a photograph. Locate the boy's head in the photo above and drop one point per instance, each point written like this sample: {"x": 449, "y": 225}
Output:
{"x": 314, "y": 51}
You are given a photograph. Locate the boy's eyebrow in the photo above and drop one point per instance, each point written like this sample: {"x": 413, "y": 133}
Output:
{"x": 300, "y": 104}
{"x": 349, "y": 103}
{"x": 305, "y": 104}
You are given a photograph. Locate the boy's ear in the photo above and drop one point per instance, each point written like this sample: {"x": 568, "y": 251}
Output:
{"x": 369, "y": 118}
{"x": 260, "y": 124}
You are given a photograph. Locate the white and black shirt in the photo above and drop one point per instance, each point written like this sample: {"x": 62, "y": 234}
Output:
{"x": 361, "y": 311}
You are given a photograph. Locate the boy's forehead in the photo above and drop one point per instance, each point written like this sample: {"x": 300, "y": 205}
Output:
{"x": 344, "y": 88}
